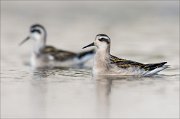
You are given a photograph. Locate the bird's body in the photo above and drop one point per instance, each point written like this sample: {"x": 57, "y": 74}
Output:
{"x": 107, "y": 64}
{"x": 49, "y": 56}
{"x": 116, "y": 66}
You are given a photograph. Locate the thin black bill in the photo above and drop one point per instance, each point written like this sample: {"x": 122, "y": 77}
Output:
{"x": 92, "y": 44}
{"x": 24, "y": 40}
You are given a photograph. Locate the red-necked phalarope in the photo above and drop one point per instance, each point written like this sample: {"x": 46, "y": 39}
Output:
{"x": 49, "y": 56}
{"x": 107, "y": 64}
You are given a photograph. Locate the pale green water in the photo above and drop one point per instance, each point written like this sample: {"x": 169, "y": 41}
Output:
{"x": 143, "y": 31}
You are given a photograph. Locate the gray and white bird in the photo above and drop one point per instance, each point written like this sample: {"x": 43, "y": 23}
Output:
{"x": 107, "y": 64}
{"x": 49, "y": 56}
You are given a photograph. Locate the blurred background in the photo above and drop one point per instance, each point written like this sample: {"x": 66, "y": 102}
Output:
{"x": 144, "y": 31}
{"x": 139, "y": 30}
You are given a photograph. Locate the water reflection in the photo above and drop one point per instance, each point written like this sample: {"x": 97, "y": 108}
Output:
{"x": 38, "y": 93}
{"x": 103, "y": 92}
{"x": 38, "y": 97}
{"x": 131, "y": 91}
{"x": 40, "y": 73}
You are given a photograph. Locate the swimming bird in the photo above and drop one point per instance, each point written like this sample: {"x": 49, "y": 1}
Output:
{"x": 49, "y": 56}
{"x": 107, "y": 64}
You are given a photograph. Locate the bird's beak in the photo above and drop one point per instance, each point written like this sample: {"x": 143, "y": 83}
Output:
{"x": 24, "y": 40}
{"x": 92, "y": 44}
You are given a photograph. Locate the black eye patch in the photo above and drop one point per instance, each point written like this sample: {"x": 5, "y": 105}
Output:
{"x": 35, "y": 30}
{"x": 104, "y": 40}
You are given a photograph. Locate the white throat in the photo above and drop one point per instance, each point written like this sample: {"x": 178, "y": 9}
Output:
{"x": 39, "y": 42}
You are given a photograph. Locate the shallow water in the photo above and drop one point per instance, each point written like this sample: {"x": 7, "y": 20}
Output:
{"x": 142, "y": 31}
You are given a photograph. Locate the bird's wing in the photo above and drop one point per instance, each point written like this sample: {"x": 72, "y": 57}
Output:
{"x": 123, "y": 63}
{"x": 150, "y": 67}
{"x": 58, "y": 54}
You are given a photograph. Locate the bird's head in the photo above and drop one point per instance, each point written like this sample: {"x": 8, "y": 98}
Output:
{"x": 102, "y": 41}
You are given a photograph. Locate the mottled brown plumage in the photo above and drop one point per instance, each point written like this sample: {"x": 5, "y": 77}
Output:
{"x": 123, "y": 63}
{"x": 57, "y": 54}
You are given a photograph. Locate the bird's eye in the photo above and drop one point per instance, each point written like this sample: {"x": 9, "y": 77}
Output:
{"x": 104, "y": 40}
{"x": 35, "y": 30}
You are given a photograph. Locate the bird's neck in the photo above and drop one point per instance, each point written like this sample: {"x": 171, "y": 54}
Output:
{"x": 103, "y": 53}
{"x": 39, "y": 44}
{"x": 101, "y": 60}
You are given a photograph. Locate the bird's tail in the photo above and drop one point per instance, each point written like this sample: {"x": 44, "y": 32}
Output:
{"x": 85, "y": 56}
{"x": 155, "y": 68}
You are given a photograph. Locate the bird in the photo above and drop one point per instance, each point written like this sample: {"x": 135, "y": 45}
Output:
{"x": 49, "y": 56}
{"x": 107, "y": 64}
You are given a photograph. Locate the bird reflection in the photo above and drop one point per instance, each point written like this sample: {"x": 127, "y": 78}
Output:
{"x": 103, "y": 90}
{"x": 39, "y": 93}
{"x": 41, "y": 73}
{"x": 104, "y": 86}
